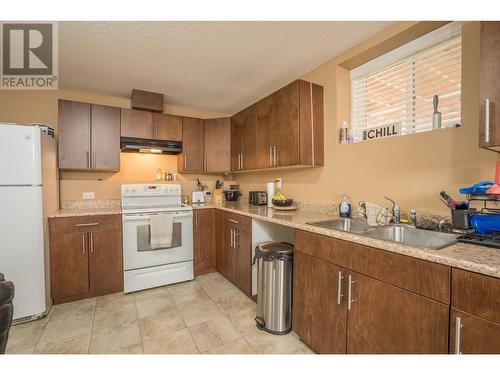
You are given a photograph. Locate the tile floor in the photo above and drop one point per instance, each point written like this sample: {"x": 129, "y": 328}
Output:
{"x": 207, "y": 315}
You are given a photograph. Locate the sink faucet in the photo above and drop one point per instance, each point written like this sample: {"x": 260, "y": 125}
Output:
{"x": 396, "y": 212}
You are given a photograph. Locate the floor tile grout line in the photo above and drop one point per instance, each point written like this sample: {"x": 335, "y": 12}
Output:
{"x": 48, "y": 316}
{"x": 92, "y": 328}
{"x": 185, "y": 324}
{"x": 138, "y": 323}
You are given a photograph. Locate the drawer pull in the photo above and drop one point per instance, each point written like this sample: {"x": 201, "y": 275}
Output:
{"x": 86, "y": 225}
{"x": 232, "y": 221}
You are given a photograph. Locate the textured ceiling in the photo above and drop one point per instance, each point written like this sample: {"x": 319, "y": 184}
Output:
{"x": 221, "y": 66}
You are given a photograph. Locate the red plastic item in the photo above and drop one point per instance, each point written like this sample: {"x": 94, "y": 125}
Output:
{"x": 495, "y": 189}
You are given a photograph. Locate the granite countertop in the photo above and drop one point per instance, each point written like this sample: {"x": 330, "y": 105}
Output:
{"x": 85, "y": 211}
{"x": 473, "y": 258}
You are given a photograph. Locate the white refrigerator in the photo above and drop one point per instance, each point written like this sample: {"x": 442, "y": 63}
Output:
{"x": 29, "y": 190}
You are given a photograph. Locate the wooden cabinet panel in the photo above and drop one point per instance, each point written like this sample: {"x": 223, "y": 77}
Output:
{"x": 265, "y": 140}
{"x": 489, "y": 83}
{"x": 69, "y": 266}
{"x": 105, "y": 137}
{"x": 167, "y": 127}
{"x": 74, "y": 135}
{"x": 317, "y": 126}
{"x": 476, "y": 335}
{"x": 476, "y": 294}
{"x": 323, "y": 247}
{"x": 249, "y": 147}
{"x": 229, "y": 251}
{"x": 68, "y": 225}
{"x": 243, "y": 260}
{"x": 217, "y": 145}
{"x": 204, "y": 241}
{"x": 287, "y": 125}
{"x": 191, "y": 159}
{"x": 426, "y": 278}
{"x": 317, "y": 317}
{"x": 387, "y": 319}
{"x": 136, "y": 124}
{"x": 106, "y": 262}
{"x": 219, "y": 242}
{"x": 236, "y": 141}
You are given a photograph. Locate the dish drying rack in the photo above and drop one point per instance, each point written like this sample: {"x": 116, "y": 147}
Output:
{"x": 485, "y": 199}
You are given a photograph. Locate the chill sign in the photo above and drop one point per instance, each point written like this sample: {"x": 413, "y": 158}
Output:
{"x": 383, "y": 131}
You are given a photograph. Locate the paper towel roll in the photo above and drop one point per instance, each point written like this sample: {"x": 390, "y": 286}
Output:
{"x": 270, "y": 193}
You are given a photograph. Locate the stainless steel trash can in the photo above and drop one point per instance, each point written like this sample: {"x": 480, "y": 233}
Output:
{"x": 274, "y": 287}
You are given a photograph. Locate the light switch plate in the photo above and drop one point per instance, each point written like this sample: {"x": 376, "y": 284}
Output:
{"x": 88, "y": 195}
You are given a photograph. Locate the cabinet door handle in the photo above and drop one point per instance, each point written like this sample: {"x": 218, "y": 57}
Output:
{"x": 271, "y": 156}
{"x": 88, "y": 158}
{"x": 487, "y": 121}
{"x": 91, "y": 243}
{"x": 196, "y": 219}
{"x": 205, "y": 168}
{"x": 458, "y": 331}
{"x": 339, "y": 289}
{"x": 349, "y": 293}
{"x": 235, "y": 243}
{"x": 233, "y": 221}
{"x": 242, "y": 161}
{"x": 231, "y": 237}
{"x": 185, "y": 162}
{"x": 275, "y": 156}
{"x": 86, "y": 225}
{"x": 83, "y": 243}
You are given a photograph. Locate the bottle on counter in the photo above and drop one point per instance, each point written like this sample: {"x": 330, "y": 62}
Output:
{"x": 344, "y": 133}
{"x": 345, "y": 207}
{"x": 159, "y": 174}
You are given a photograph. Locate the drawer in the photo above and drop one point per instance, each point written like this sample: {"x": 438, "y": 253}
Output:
{"x": 243, "y": 222}
{"x": 476, "y": 294}
{"x": 429, "y": 279}
{"x": 327, "y": 248}
{"x": 81, "y": 224}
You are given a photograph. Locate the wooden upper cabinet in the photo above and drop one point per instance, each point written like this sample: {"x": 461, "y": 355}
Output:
{"x": 74, "y": 135}
{"x": 236, "y": 141}
{"x": 217, "y": 145}
{"x": 105, "y": 137}
{"x": 136, "y": 124}
{"x": 167, "y": 127}
{"x": 389, "y": 320}
{"x": 265, "y": 124}
{"x": 191, "y": 158}
{"x": 489, "y": 85}
{"x": 248, "y": 146}
{"x": 299, "y": 124}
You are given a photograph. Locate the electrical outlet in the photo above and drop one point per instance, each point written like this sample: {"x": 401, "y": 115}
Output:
{"x": 88, "y": 195}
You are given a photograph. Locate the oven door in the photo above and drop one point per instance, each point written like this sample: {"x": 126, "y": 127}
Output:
{"x": 137, "y": 252}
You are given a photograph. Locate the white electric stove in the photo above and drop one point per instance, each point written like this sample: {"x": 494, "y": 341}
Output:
{"x": 143, "y": 266}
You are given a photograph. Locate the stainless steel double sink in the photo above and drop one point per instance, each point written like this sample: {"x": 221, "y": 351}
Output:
{"x": 400, "y": 233}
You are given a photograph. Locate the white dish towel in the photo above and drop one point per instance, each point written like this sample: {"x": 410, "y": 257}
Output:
{"x": 161, "y": 227}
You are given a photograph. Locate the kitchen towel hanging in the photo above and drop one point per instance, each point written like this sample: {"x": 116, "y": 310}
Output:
{"x": 161, "y": 227}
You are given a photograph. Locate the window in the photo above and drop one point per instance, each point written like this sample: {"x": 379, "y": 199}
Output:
{"x": 398, "y": 87}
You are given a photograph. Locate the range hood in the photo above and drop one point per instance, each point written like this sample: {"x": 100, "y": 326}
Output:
{"x": 150, "y": 146}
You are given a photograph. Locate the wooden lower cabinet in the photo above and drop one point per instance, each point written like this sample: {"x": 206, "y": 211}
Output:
{"x": 471, "y": 334}
{"x": 234, "y": 254}
{"x": 86, "y": 257}
{"x": 69, "y": 267}
{"x": 319, "y": 316}
{"x": 204, "y": 241}
{"x": 387, "y": 319}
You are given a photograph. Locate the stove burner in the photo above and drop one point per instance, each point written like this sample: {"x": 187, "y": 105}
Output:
{"x": 490, "y": 240}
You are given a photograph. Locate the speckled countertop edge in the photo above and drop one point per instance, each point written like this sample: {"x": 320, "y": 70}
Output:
{"x": 473, "y": 258}
{"x": 87, "y": 211}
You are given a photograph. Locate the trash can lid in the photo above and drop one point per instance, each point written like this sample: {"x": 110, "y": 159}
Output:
{"x": 276, "y": 247}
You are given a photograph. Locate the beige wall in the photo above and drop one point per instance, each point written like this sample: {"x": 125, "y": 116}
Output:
{"x": 41, "y": 106}
{"x": 410, "y": 169}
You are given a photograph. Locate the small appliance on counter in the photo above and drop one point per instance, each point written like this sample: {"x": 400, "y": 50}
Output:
{"x": 258, "y": 198}
{"x": 198, "y": 197}
{"x": 232, "y": 195}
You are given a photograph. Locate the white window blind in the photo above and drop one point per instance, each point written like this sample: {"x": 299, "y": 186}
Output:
{"x": 402, "y": 90}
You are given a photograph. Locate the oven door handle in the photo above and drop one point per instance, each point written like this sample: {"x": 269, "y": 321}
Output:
{"x": 146, "y": 217}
